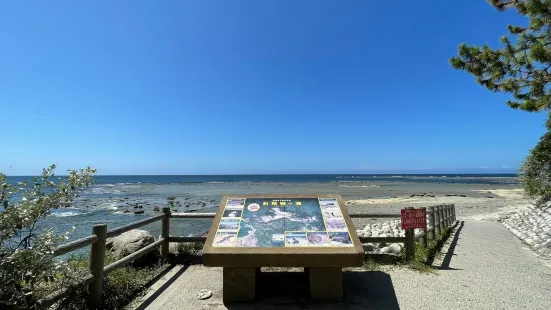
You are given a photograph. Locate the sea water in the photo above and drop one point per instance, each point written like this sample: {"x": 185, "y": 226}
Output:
{"x": 113, "y": 200}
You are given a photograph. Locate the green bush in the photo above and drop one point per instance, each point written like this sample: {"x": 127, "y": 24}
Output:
{"x": 535, "y": 172}
{"x": 27, "y": 263}
{"x": 120, "y": 286}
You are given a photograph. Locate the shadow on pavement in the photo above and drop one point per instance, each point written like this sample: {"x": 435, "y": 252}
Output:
{"x": 144, "y": 304}
{"x": 289, "y": 290}
{"x": 449, "y": 255}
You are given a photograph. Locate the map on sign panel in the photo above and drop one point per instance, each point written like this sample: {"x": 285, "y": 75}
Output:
{"x": 282, "y": 222}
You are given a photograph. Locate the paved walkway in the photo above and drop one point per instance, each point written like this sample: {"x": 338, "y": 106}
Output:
{"x": 484, "y": 267}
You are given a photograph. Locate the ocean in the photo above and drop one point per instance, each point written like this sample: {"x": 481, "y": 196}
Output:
{"x": 113, "y": 200}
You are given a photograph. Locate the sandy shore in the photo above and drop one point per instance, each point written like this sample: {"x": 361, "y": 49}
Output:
{"x": 471, "y": 203}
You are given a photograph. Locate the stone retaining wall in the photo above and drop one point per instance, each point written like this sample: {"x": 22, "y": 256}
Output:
{"x": 533, "y": 226}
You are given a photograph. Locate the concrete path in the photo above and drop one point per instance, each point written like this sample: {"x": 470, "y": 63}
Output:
{"x": 484, "y": 267}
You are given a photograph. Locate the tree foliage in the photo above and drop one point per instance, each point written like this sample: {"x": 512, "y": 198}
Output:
{"x": 522, "y": 67}
{"x": 535, "y": 172}
{"x": 26, "y": 252}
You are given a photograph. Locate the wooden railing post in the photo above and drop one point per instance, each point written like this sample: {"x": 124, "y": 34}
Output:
{"x": 96, "y": 262}
{"x": 445, "y": 216}
{"x": 441, "y": 218}
{"x": 431, "y": 222}
{"x": 448, "y": 216}
{"x": 454, "y": 218}
{"x": 165, "y": 232}
{"x": 410, "y": 242}
{"x": 424, "y": 240}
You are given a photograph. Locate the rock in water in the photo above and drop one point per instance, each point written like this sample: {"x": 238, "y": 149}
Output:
{"x": 204, "y": 294}
{"x": 130, "y": 242}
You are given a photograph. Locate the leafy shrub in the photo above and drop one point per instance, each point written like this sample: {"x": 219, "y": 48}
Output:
{"x": 120, "y": 286}
{"x": 535, "y": 172}
{"x": 27, "y": 263}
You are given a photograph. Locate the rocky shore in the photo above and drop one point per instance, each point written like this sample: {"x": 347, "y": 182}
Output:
{"x": 382, "y": 230}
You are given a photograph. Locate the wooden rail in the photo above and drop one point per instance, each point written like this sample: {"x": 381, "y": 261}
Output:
{"x": 439, "y": 218}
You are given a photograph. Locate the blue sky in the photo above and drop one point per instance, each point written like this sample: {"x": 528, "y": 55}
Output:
{"x": 222, "y": 87}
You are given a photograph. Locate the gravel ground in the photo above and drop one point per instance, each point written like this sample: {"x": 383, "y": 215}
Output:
{"x": 484, "y": 267}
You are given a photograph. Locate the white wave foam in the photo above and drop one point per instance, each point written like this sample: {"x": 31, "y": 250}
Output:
{"x": 66, "y": 214}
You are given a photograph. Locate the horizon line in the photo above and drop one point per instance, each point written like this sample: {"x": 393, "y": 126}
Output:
{"x": 266, "y": 174}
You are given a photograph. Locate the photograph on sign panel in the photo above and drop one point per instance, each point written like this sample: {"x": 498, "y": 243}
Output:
{"x": 235, "y": 203}
{"x": 318, "y": 238}
{"x": 229, "y": 224}
{"x": 340, "y": 238}
{"x": 332, "y": 213}
{"x": 225, "y": 239}
{"x": 328, "y": 202}
{"x": 335, "y": 224}
{"x": 232, "y": 213}
{"x": 278, "y": 239}
{"x": 295, "y": 239}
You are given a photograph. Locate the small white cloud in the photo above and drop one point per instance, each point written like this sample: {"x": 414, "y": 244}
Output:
{"x": 504, "y": 167}
{"x": 483, "y": 167}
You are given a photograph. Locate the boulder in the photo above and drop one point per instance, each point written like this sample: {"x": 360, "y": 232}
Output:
{"x": 131, "y": 242}
{"x": 395, "y": 248}
{"x": 385, "y": 250}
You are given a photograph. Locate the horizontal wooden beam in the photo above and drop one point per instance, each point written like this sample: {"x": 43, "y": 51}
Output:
{"x": 74, "y": 245}
{"x": 125, "y": 228}
{"x": 190, "y": 215}
{"x": 132, "y": 257}
{"x": 186, "y": 239}
{"x": 382, "y": 239}
{"x": 373, "y": 215}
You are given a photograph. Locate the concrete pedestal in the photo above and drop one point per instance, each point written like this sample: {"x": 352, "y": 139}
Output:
{"x": 239, "y": 284}
{"x": 325, "y": 283}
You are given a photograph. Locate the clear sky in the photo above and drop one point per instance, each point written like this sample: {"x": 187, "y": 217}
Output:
{"x": 272, "y": 86}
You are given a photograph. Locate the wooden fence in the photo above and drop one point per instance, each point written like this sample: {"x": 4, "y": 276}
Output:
{"x": 439, "y": 218}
